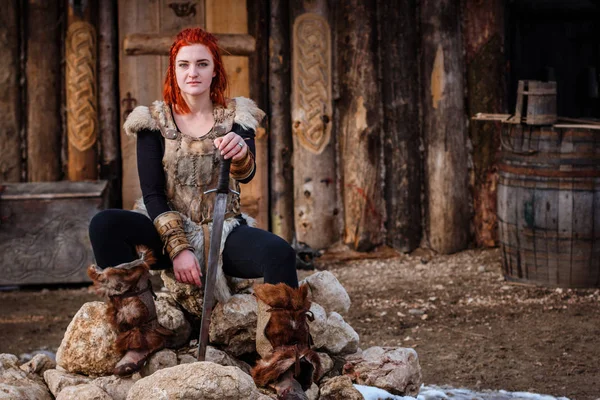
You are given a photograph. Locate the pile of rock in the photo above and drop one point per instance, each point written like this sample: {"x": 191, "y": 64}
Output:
{"x": 87, "y": 356}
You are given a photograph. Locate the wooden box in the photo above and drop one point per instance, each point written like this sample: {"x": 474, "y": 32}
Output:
{"x": 44, "y": 231}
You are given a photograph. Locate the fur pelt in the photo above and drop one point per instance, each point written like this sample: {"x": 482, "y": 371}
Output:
{"x": 122, "y": 278}
{"x": 246, "y": 114}
{"x": 289, "y": 311}
{"x": 147, "y": 337}
{"x": 195, "y": 236}
{"x": 270, "y": 369}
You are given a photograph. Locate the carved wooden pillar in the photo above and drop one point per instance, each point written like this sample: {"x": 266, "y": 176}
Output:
{"x": 81, "y": 87}
{"x": 444, "y": 126}
{"x": 10, "y": 99}
{"x": 315, "y": 203}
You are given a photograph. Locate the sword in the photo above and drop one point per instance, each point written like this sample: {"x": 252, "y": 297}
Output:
{"x": 213, "y": 255}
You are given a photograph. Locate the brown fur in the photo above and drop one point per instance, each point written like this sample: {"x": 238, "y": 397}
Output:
{"x": 111, "y": 280}
{"x": 151, "y": 336}
{"x": 126, "y": 313}
{"x": 270, "y": 370}
{"x": 289, "y": 307}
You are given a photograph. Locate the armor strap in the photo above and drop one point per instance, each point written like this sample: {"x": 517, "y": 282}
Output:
{"x": 170, "y": 228}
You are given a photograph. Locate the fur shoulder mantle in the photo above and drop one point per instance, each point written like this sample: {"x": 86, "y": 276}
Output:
{"x": 239, "y": 110}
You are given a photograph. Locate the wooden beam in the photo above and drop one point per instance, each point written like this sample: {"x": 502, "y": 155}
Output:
{"x": 159, "y": 44}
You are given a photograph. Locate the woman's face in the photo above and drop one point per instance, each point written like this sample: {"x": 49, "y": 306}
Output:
{"x": 194, "y": 69}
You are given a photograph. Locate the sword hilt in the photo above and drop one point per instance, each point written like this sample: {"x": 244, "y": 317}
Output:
{"x": 223, "y": 185}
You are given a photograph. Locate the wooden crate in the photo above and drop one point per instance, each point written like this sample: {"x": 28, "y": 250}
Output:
{"x": 44, "y": 231}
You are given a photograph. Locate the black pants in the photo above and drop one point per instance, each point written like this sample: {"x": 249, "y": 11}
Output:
{"x": 248, "y": 252}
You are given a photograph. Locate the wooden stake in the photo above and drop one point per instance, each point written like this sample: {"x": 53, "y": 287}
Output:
{"x": 444, "y": 129}
{"x": 361, "y": 127}
{"x": 43, "y": 91}
{"x": 10, "y": 98}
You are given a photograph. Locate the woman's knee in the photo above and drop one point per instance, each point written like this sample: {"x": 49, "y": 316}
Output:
{"x": 101, "y": 223}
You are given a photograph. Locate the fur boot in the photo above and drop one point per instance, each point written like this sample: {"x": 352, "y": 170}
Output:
{"x": 131, "y": 310}
{"x": 282, "y": 337}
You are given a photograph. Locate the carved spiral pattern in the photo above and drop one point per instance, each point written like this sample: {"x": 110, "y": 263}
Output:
{"x": 81, "y": 85}
{"x": 312, "y": 82}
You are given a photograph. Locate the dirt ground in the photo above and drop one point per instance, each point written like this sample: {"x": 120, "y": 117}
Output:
{"x": 470, "y": 327}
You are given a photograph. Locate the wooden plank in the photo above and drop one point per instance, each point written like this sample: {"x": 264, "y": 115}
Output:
{"x": 82, "y": 91}
{"x": 108, "y": 103}
{"x": 315, "y": 180}
{"x": 136, "y": 44}
{"x": 43, "y": 69}
{"x": 444, "y": 130}
{"x": 140, "y": 83}
{"x": 10, "y": 96}
{"x": 398, "y": 51}
{"x": 230, "y": 16}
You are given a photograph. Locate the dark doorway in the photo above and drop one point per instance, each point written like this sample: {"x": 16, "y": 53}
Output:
{"x": 556, "y": 40}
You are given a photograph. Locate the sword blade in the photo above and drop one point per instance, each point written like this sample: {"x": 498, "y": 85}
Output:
{"x": 211, "y": 271}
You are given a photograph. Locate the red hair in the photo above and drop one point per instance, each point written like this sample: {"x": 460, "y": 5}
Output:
{"x": 171, "y": 91}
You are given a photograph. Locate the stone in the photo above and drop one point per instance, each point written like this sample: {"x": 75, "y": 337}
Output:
{"x": 16, "y": 384}
{"x": 58, "y": 380}
{"x": 83, "y": 392}
{"x": 187, "y": 358}
{"x": 88, "y": 346}
{"x": 396, "y": 370}
{"x": 326, "y": 364}
{"x": 39, "y": 364}
{"x": 160, "y": 360}
{"x": 338, "y": 388}
{"x": 171, "y": 317}
{"x": 200, "y": 380}
{"x": 331, "y": 333}
{"x": 222, "y": 358}
{"x": 327, "y": 291}
{"x": 116, "y": 387}
{"x": 190, "y": 297}
{"x": 233, "y": 325}
{"x": 313, "y": 392}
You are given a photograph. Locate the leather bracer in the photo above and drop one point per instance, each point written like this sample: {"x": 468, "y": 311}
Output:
{"x": 170, "y": 228}
{"x": 241, "y": 169}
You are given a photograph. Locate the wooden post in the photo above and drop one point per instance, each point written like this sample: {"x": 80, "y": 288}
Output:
{"x": 361, "y": 126}
{"x": 444, "y": 130}
{"x": 315, "y": 180}
{"x": 484, "y": 42}
{"x": 81, "y": 87}
{"x": 108, "y": 110}
{"x": 10, "y": 98}
{"x": 43, "y": 91}
{"x": 282, "y": 184}
{"x": 398, "y": 57}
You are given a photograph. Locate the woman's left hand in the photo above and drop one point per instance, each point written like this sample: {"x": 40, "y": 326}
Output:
{"x": 232, "y": 146}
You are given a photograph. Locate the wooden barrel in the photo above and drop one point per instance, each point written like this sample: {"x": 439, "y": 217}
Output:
{"x": 548, "y": 205}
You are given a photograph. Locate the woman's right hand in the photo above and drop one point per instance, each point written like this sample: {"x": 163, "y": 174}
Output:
{"x": 186, "y": 268}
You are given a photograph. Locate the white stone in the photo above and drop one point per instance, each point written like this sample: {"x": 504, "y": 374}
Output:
{"x": 200, "y": 380}
{"x": 58, "y": 380}
{"x": 171, "y": 317}
{"x": 16, "y": 384}
{"x": 313, "y": 392}
{"x": 39, "y": 364}
{"x": 222, "y": 358}
{"x": 83, "y": 392}
{"x": 190, "y": 297}
{"x": 396, "y": 370}
{"x": 327, "y": 291}
{"x": 116, "y": 387}
{"x": 187, "y": 359}
{"x": 160, "y": 360}
{"x": 326, "y": 364}
{"x": 233, "y": 325}
{"x": 88, "y": 346}
{"x": 331, "y": 333}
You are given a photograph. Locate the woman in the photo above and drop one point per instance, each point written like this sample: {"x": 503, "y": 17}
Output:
{"x": 179, "y": 144}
